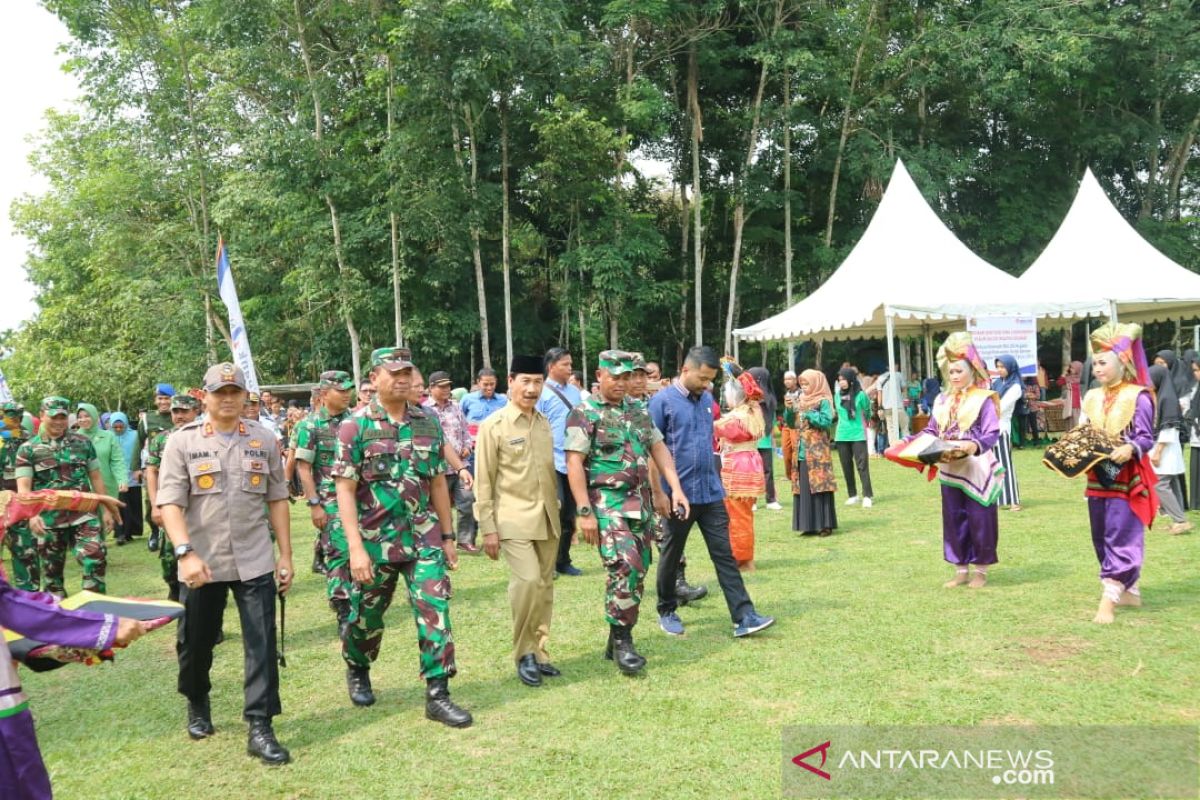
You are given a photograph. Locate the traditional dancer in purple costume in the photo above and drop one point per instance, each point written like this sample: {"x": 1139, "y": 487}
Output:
{"x": 37, "y": 615}
{"x": 970, "y": 475}
{"x": 1123, "y": 407}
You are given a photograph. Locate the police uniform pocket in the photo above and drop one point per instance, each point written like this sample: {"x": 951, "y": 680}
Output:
{"x": 206, "y": 477}
{"x": 254, "y": 475}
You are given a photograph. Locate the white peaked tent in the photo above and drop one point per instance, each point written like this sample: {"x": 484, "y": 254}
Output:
{"x": 1097, "y": 255}
{"x": 1096, "y": 264}
{"x": 907, "y": 260}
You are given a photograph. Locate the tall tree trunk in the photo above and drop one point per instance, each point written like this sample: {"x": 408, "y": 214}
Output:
{"x": 318, "y": 134}
{"x": 504, "y": 229}
{"x": 693, "y": 90}
{"x": 787, "y": 201}
{"x": 845, "y": 132}
{"x": 476, "y": 255}
{"x": 739, "y": 189}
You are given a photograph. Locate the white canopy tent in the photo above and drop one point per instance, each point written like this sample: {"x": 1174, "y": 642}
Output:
{"x": 1096, "y": 264}
{"x": 890, "y": 268}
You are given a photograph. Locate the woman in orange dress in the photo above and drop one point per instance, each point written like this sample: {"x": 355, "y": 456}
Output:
{"x": 738, "y": 432}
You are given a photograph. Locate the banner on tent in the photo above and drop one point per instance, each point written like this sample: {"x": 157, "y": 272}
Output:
{"x": 1013, "y": 336}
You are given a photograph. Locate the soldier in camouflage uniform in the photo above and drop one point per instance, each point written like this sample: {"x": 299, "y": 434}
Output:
{"x": 639, "y": 396}
{"x": 56, "y": 458}
{"x": 610, "y": 442}
{"x": 184, "y": 409}
{"x": 389, "y": 469}
{"x": 316, "y": 450}
{"x": 26, "y": 571}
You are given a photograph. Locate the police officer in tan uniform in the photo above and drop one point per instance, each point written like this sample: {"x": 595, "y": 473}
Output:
{"x": 219, "y": 481}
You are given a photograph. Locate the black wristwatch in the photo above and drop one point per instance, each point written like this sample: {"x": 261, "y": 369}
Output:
{"x": 183, "y": 549}
{"x": 584, "y": 511}
{"x": 313, "y": 502}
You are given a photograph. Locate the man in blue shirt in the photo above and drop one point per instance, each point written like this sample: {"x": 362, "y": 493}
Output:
{"x": 479, "y": 405}
{"x": 683, "y": 412}
{"x": 557, "y": 400}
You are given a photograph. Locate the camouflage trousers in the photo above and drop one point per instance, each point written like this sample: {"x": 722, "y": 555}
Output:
{"x": 626, "y": 552}
{"x": 361, "y": 606}
{"x": 26, "y": 566}
{"x": 86, "y": 541}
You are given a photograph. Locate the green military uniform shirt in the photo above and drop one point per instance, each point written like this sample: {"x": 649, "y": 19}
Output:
{"x": 62, "y": 463}
{"x": 316, "y": 442}
{"x": 393, "y": 464}
{"x": 615, "y": 440}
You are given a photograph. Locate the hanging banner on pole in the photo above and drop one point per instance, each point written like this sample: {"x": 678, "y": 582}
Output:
{"x": 1006, "y": 336}
{"x": 5, "y": 392}
{"x": 237, "y": 326}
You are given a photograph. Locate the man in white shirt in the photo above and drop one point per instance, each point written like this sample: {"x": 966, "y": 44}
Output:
{"x": 891, "y": 388}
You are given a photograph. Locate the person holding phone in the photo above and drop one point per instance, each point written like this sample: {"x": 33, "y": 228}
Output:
{"x": 609, "y": 444}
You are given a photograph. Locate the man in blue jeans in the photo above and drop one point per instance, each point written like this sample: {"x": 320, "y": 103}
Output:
{"x": 683, "y": 412}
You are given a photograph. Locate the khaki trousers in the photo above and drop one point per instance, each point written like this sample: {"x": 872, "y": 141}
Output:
{"x": 531, "y": 592}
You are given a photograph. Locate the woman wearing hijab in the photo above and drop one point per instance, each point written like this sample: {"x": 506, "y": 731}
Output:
{"x": 967, "y": 415}
{"x": 113, "y": 466}
{"x": 131, "y": 448}
{"x": 812, "y": 508}
{"x": 1167, "y": 455}
{"x": 1183, "y": 381}
{"x": 1008, "y": 388}
{"x": 853, "y": 409}
{"x": 1120, "y": 509}
{"x": 738, "y": 432}
{"x": 768, "y": 405}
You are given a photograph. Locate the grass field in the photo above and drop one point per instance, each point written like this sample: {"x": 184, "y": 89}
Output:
{"x": 866, "y": 634}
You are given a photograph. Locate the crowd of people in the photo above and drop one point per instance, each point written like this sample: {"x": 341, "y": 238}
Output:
{"x": 402, "y": 475}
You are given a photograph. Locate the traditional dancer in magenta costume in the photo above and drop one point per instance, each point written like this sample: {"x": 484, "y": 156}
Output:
{"x": 37, "y": 615}
{"x": 966, "y": 414}
{"x": 1120, "y": 511}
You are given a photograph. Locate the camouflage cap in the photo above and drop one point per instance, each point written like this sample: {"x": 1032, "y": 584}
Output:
{"x": 224, "y": 374}
{"x": 336, "y": 379}
{"x": 639, "y": 362}
{"x": 617, "y": 362}
{"x": 184, "y": 401}
{"x": 12, "y": 408}
{"x": 393, "y": 359}
{"x": 56, "y": 404}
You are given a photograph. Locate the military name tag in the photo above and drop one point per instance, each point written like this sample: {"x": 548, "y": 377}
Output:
{"x": 516, "y": 441}
{"x": 378, "y": 433}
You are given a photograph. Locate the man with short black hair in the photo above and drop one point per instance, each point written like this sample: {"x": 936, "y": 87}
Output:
{"x": 151, "y": 423}
{"x": 482, "y": 403}
{"x": 559, "y": 398}
{"x": 454, "y": 428}
{"x": 683, "y": 412}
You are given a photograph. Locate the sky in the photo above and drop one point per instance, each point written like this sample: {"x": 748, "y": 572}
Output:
{"x": 34, "y": 81}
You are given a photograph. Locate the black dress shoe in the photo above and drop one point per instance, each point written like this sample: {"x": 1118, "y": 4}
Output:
{"x": 152, "y": 543}
{"x": 358, "y": 682}
{"x": 549, "y": 670}
{"x": 527, "y": 670}
{"x": 440, "y": 708}
{"x": 199, "y": 719}
{"x": 263, "y": 745}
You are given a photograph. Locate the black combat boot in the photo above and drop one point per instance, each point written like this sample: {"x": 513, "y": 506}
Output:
{"x": 358, "y": 681}
{"x": 199, "y": 719}
{"x": 440, "y": 708}
{"x": 342, "y": 609}
{"x": 263, "y": 745}
{"x": 628, "y": 660}
{"x": 688, "y": 594}
{"x": 318, "y": 565}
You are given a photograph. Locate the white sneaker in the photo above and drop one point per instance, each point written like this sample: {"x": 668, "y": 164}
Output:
{"x": 867, "y": 502}
{"x": 852, "y": 501}
{"x": 775, "y": 506}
